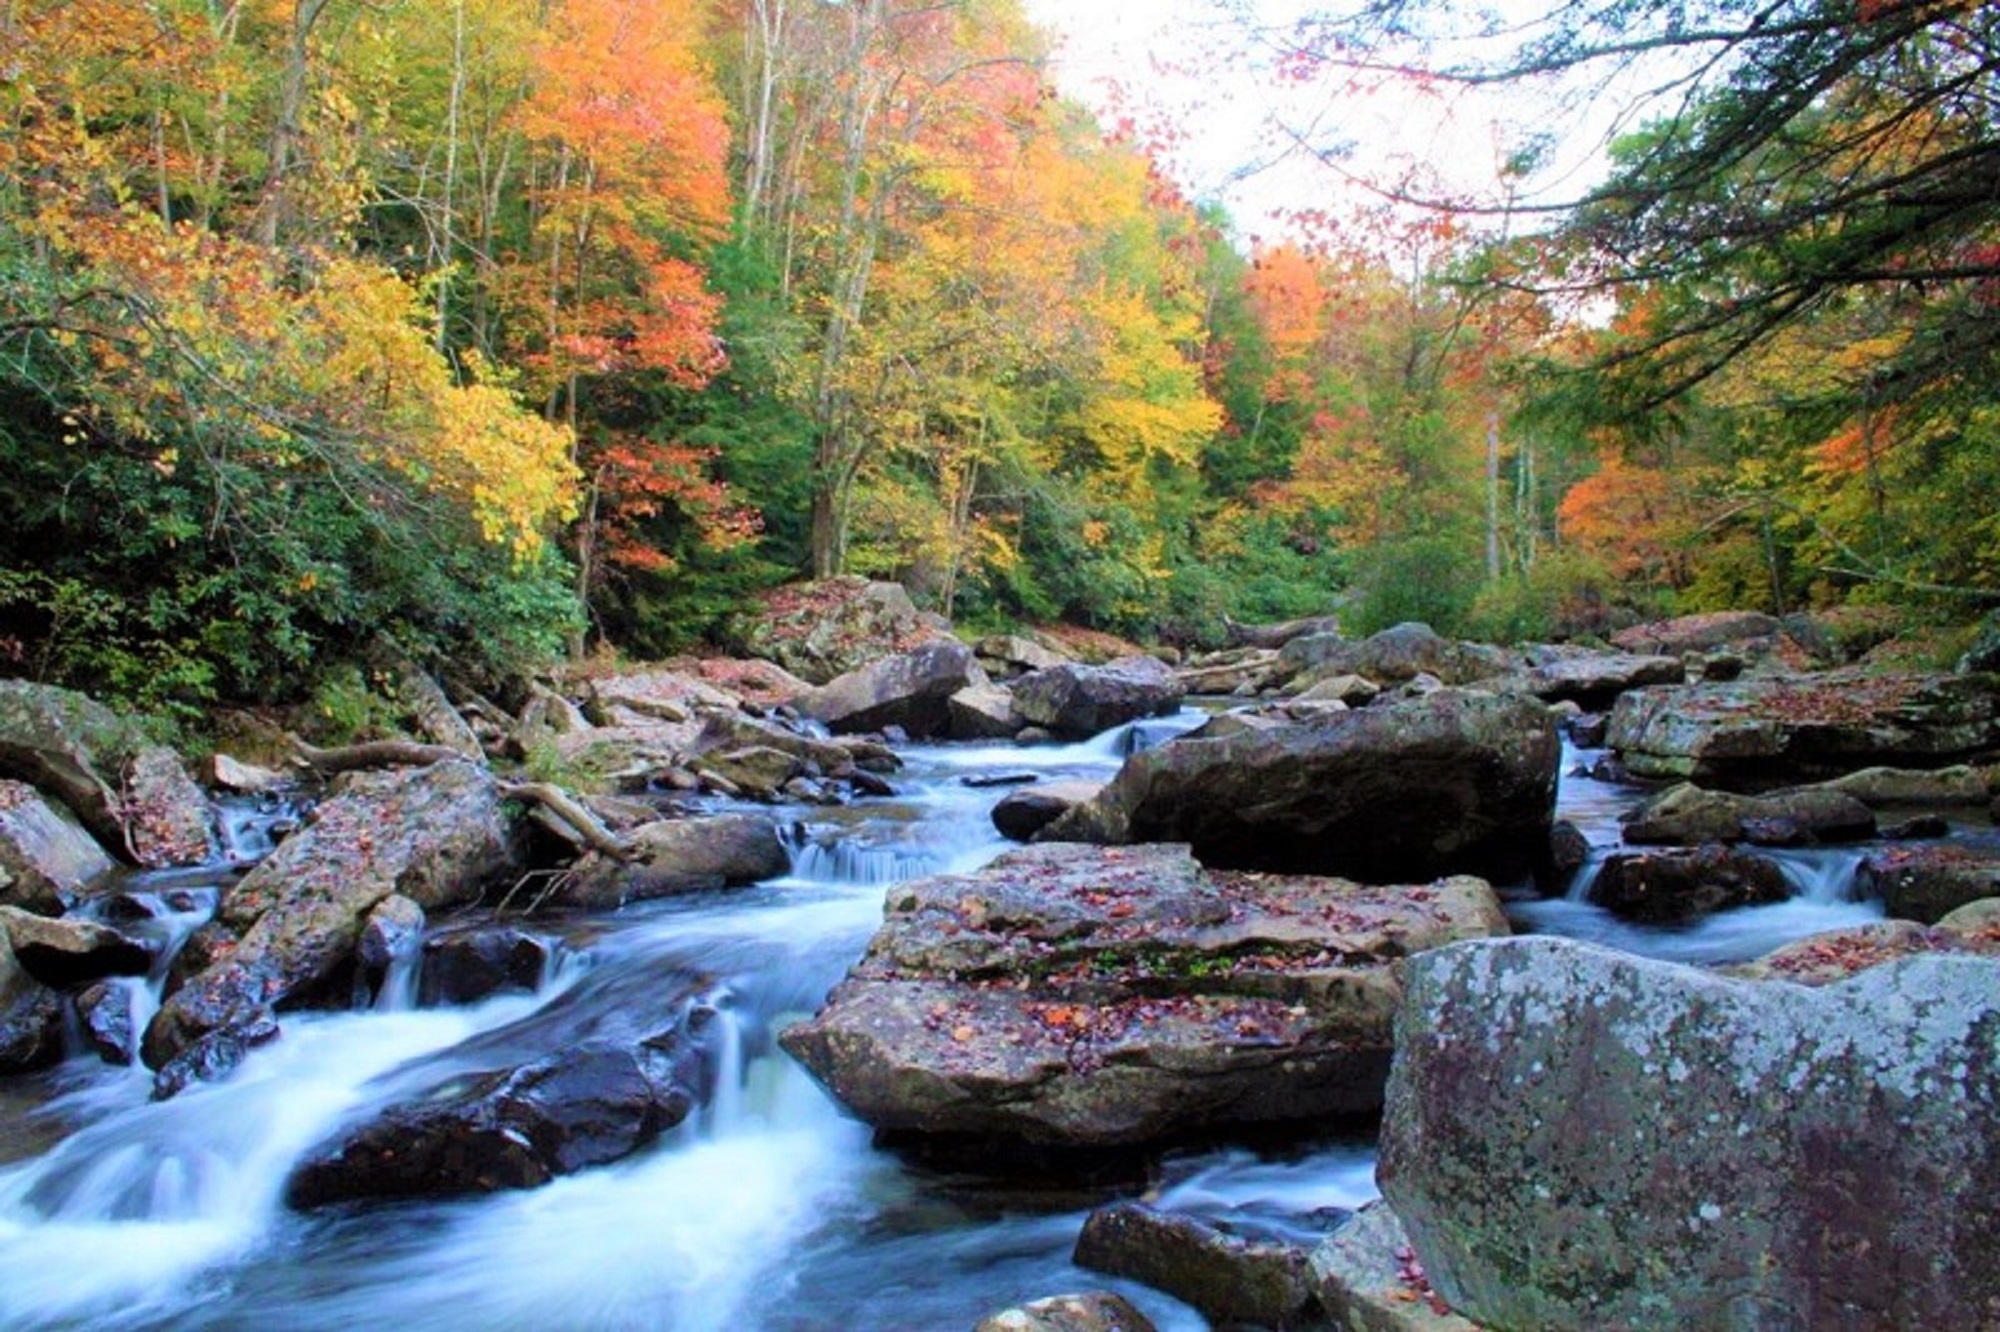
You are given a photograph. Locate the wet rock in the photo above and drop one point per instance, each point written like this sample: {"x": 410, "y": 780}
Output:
{"x": 821, "y": 630}
{"x": 392, "y": 934}
{"x": 1368, "y": 1279}
{"x": 1760, "y": 732}
{"x": 1687, "y": 815}
{"x": 1835, "y": 955}
{"x": 1089, "y": 1311}
{"x": 1075, "y": 996}
{"x": 1395, "y": 655}
{"x": 1666, "y": 887}
{"x": 678, "y": 856}
{"x": 1569, "y": 852}
{"x": 46, "y": 857}
{"x": 1923, "y": 827}
{"x": 1076, "y": 701}
{"x": 215, "y": 1055}
{"x": 68, "y": 952}
{"x": 436, "y": 835}
{"x": 104, "y": 1011}
{"x": 1228, "y": 1278}
{"x": 1021, "y": 814}
{"x": 911, "y": 689}
{"x": 1457, "y": 782}
{"x": 1785, "y": 1156}
{"x": 467, "y": 964}
{"x": 31, "y": 1019}
{"x": 983, "y": 712}
{"x": 209, "y": 943}
{"x": 1926, "y": 883}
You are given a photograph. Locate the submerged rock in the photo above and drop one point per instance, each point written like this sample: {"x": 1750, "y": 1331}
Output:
{"x": 1580, "y": 1139}
{"x": 1075, "y": 996}
{"x": 1458, "y": 781}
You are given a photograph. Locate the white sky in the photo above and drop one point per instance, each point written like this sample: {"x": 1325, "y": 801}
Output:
{"x": 1140, "y": 50}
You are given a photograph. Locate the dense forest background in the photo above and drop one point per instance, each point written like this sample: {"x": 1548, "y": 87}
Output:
{"x": 512, "y": 327}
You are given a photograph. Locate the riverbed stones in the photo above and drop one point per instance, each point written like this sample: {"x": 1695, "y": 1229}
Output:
{"x": 1079, "y": 996}
{"x": 1458, "y": 781}
{"x": 437, "y": 835}
{"x": 1074, "y": 701}
{"x": 1579, "y": 1139}
{"x": 46, "y": 858}
{"x": 1762, "y": 731}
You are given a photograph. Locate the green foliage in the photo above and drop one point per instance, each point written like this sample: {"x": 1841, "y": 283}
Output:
{"x": 1561, "y": 596}
{"x": 1430, "y": 578}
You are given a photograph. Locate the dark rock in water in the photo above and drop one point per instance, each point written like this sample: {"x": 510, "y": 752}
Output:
{"x": 1229, "y": 1279}
{"x": 515, "y": 1127}
{"x": 1688, "y": 815}
{"x": 1761, "y": 732}
{"x": 1569, "y": 852}
{"x": 678, "y": 856}
{"x": 466, "y": 965}
{"x": 215, "y": 1056}
{"x": 1077, "y": 701}
{"x": 105, "y": 1012}
{"x": 1021, "y": 814}
{"x": 210, "y": 943}
{"x": 1922, "y": 827}
{"x": 1088, "y": 1311}
{"x": 911, "y": 690}
{"x": 1926, "y": 883}
{"x": 982, "y": 781}
{"x": 31, "y": 1019}
{"x": 1082, "y": 997}
{"x": 436, "y": 835}
{"x": 1588, "y": 731}
{"x": 1579, "y": 1139}
{"x": 392, "y": 934}
{"x": 1661, "y": 887}
{"x": 69, "y": 952}
{"x": 1455, "y": 782}
{"x": 47, "y": 860}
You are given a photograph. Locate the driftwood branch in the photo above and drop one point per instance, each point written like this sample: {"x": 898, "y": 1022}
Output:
{"x": 374, "y": 754}
{"x": 589, "y": 828}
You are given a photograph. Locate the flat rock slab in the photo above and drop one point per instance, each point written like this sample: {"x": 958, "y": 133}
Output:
{"x": 1579, "y": 1139}
{"x": 1077, "y": 996}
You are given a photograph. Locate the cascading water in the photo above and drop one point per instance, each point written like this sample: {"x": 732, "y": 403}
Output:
{"x": 768, "y": 1209}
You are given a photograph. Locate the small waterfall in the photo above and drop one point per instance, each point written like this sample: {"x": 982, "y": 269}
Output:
{"x": 814, "y": 861}
{"x": 1822, "y": 876}
{"x": 1585, "y": 877}
{"x": 250, "y": 827}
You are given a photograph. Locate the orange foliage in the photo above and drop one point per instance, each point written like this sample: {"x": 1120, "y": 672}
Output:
{"x": 1632, "y": 517}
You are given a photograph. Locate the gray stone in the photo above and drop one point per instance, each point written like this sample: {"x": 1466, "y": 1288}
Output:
{"x": 678, "y": 856}
{"x": 1008, "y": 655}
{"x": 983, "y": 712}
{"x": 1686, "y": 815}
{"x": 1228, "y": 1278}
{"x": 68, "y": 952}
{"x": 1698, "y": 633}
{"x": 1595, "y": 679}
{"x": 821, "y": 630}
{"x": 1368, "y": 1279}
{"x": 911, "y": 690}
{"x": 1354, "y": 691}
{"x": 1927, "y": 883}
{"x": 1077, "y": 701}
{"x": 1457, "y": 782}
{"x": 758, "y": 771}
{"x": 1021, "y": 814}
{"x": 1088, "y": 1311}
{"x": 1579, "y": 1139}
{"x": 1395, "y": 655}
{"x": 47, "y": 860}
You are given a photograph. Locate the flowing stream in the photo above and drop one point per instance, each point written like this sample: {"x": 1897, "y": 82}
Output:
{"x": 767, "y": 1209}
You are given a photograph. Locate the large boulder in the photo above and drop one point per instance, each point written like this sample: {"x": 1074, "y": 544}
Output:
{"x": 1077, "y": 701}
{"x": 1687, "y": 815}
{"x": 1753, "y": 733}
{"x": 1700, "y": 633}
{"x": 131, "y": 793}
{"x": 1580, "y": 1139}
{"x": 1075, "y": 996}
{"x": 436, "y": 835}
{"x": 1397, "y": 654}
{"x": 1927, "y": 883}
{"x": 818, "y": 631}
{"x": 678, "y": 856}
{"x": 47, "y": 860}
{"x": 642, "y": 698}
{"x": 1595, "y": 679}
{"x": 1457, "y": 781}
{"x": 911, "y": 690}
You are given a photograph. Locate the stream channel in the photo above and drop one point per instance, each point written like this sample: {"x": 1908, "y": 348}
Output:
{"x": 769, "y": 1210}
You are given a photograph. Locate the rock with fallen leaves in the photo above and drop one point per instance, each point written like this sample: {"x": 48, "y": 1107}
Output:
{"x": 1577, "y": 1138}
{"x": 436, "y": 835}
{"x": 1759, "y": 732}
{"x": 1928, "y": 882}
{"x": 1455, "y": 782}
{"x": 1079, "y": 996}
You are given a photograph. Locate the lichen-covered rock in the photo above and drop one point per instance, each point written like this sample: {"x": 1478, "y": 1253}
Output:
{"x": 1580, "y": 1139}
{"x": 1926, "y": 883}
{"x": 1459, "y": 781}
{"x": 1402, "y": 652}
{"x": 1076, "y": 996}
{"x": 1669, "y": 887}
{"x": 1086, "y": 1311}
{"x": 47, "y": 860}
{"x": 1076, "y": 701}
{"x": 166, "y": 817}
{"x": 678, "y": 856}
{"x": 436, "y": 835}
{"x": 1758, "y": 732}
{"x": 1596, "y": 679}
{"x": 1687, "y": 815}
{"x": 1230, "y": 1279}
{"x": 1368, "y": 1279}
{"x": 820, "y": 630}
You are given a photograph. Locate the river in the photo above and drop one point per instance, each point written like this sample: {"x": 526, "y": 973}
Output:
{"x": 768, "y": 1209}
